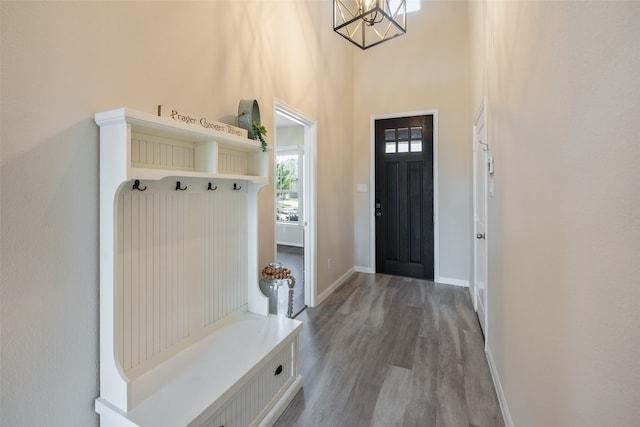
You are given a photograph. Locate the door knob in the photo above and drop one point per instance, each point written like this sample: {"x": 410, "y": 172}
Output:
{"x": 480, "y": 236}
{"x": 378, "y": 213}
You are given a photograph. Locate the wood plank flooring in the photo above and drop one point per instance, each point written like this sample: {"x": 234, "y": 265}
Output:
{"x": 393, "y": 351}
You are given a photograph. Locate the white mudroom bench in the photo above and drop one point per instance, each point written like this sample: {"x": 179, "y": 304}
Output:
{"x": 185, "y": 334}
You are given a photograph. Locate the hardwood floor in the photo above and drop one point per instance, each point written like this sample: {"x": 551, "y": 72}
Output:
{"x": 393, "y": 351}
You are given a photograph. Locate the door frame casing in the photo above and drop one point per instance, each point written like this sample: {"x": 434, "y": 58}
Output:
{"x": 481, "y": 115}
{"x": 372, "y": 183}
{"x": 309, "y": 195}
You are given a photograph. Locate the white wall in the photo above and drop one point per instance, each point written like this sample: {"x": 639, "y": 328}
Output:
{"x": 563, "y": 91}
{"x": 425, "y": 69}
{"x": 312, "y": 71}
{"x": 64, "y": 61}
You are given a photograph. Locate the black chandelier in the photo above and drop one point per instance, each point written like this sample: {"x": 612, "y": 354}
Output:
{"x": 367, "y": 23}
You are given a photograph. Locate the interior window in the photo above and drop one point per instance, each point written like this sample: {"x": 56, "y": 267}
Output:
{"x": 287, "y": 207}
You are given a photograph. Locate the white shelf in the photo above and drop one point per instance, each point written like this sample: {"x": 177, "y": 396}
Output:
{"x": 158, "y": 174}
{"x": 159, "y": 147}
{"x": 163, "y": 126}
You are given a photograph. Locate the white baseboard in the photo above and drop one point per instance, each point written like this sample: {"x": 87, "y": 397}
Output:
{"x": 335, "y": 285}
{"x": 506, "y": 415}
{"x": 367, "y": 270}
{"x": 451, "y": 281}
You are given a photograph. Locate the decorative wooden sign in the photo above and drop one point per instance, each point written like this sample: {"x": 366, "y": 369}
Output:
{"x": 180, "y": 116}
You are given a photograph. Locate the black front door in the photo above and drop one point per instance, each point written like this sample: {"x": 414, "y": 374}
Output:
{"x": 404, "y": 196}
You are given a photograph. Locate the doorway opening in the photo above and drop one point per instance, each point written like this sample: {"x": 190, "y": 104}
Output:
{"x": 295, "y": 235}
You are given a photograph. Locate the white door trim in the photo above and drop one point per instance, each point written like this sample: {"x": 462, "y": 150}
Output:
{"x": 309, "y": 198}
{"x": 372, "y": 185}
{"x": 481, "y": 147}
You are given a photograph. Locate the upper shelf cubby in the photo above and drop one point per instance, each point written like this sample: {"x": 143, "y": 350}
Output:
{"x": 157, "y": 147}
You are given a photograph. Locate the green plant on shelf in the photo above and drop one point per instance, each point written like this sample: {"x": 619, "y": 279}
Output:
{"x": 259, "y": 131}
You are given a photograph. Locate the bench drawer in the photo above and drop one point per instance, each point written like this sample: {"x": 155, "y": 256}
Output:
{"x": 249, "y": 405}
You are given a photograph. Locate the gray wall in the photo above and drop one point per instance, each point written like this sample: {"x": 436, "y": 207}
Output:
{"x": 563, "y": 91}
{"x": 64, "y": 61}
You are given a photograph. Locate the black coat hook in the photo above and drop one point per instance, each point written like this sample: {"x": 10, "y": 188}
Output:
{"x": 178, "y": 186}
{"x": 136, "y": 186}
{"x": 236, "y": 187}
{"x": 211, "y": 188}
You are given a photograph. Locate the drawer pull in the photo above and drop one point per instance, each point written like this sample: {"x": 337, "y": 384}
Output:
{"x": 278, "y": 370}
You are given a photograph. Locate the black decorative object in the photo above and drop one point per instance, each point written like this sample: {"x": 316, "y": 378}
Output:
{"x": 178, "y": 186}
{"x": 367, "y": 23}
{"x": 136, "y": 186}
{"x": 211, "y": 187}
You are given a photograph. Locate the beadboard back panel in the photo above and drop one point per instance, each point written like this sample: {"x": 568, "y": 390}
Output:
{"x": 224, "y": 249}
{"x": 180, "y": 266}
{"x": 155, "y": 152}
{"x": 233, "y": 162}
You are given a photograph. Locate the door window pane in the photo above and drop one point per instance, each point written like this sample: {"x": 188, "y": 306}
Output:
{"x": 416, "y": 139}
{"x": 390, "y": 147}
{"x": 416, "y": 133}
